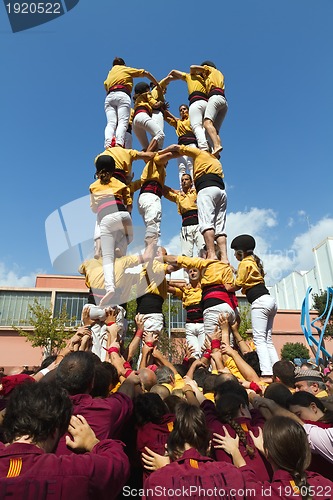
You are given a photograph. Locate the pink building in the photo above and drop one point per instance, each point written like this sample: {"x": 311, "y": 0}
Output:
{"x": 57, "y": 290}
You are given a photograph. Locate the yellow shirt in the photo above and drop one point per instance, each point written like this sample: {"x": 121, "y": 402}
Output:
{"x": 154, "y": 170}
{"x": 210, "y": 396}
{"x": 214, "y": 272}
{"x": 188, "y": 295}
{"x": 92, "y": 269}
{"x": 185, "y": 201}
{"x": 152, "y": 279}
{"x": 102, "y": 193}
{"x": 123, "y": 157}
{"x": 158, "y": 93}
{"x": 179, "y": 383}
{"x": 214, "y": 78}
{"x": 232, "y": 367}
{"x": 248, "y": 274}
{"x": 203, "y": 162}
{"x": 182, "y": 126}
{"x": 322, "y": 394}
{"x": 146, "y": 100}
{"x": 195, "y": 83}
{"x": 122, "y": 75}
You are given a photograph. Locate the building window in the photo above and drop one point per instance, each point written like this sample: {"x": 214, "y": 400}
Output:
{"x": 177, "y": 312}
{"x": 73, "y": 303}
{"x": 14, "y": 306}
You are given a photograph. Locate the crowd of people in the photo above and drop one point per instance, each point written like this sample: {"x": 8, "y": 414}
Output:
{"x": 110, "y": 416}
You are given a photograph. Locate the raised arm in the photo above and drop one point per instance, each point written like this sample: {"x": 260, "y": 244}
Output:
{"x": 245, "y": 369}
{"x": 170, "y": 194}
{"x": 170, "y": 118}
{"x": 150, "y": 77}
{"x": 196, "y": 70}
{"x": 176, "y": 75}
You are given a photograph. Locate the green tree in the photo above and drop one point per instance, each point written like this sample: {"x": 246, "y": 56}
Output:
{"x": 292, "y": 350}
{"x": 48, "y": 332}
{"x": 319, "y": 304}
{"x": 245, "y": 324}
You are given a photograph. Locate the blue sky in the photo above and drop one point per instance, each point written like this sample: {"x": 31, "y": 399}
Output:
{"x": 277, "y": 60}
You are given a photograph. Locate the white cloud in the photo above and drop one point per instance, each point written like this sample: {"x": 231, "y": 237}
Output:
{"x": 263, "y": 224}
{"x": 304, "y": 243}
{"x": 255, "y": 221}
{"x": 173, "y": 245}
{"x": 290, "y": 222}
{"x": 15, "y": 278}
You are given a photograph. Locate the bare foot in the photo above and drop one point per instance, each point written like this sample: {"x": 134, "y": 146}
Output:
{"x": 217, "y": 150}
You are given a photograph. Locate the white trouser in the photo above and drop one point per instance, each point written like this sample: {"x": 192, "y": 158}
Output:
{"x": 117, "y": 108}
{"x": 99, "y": 332}
{"x": 97, "y": 231}
{"x": 99, "y": 340}
{"x": 116, "y": 229}
{"x": 216, "y": 110}
{"x": 185, "y": 165}
{"x": 195, "y": 336}
{"x": 212, "y": 209}
{"x": 142, "y": 124}
{"x": 263, "y": 311}
{"x": 128, "y": 140}
{"x": 150, "y": 208}
{"x": 190, "y": 236}
{"x": 211, "y": 316}
{"x": 196, "y": 113}
{"x": 153, "y": 322}
{"x": 158, "y": 118}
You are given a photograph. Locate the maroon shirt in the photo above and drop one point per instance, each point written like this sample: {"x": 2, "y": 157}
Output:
{"x": 106, "y": 416}
{"x": 197, "y": 477}
{"x": 258, "y": 463}
{"x": 154, "y": 436}
{"x": 36, "y": 475}
{"x": 282, "y": 486}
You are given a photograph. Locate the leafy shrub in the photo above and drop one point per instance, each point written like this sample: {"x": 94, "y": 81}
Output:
{"x": 292, "y": 350}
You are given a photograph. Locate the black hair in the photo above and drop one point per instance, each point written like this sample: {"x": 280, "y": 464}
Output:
{"x": 252, "y": 359}
{"x": 227, "y": 408}
{"x": 47, "y": 361}
{"x": 37, "y": 411}
{"x": 105, "y": 166}
{"x": 286, "y": 444}
{"x": 208, "y": 63}
{"x": 230, "y": 386}
{"x": 76, "y": 372}
{"x": 118, "y": 61}
{"x": 285, "y": 371}
{"x": 200, "y": 375}
{"x": 209, "y": 383}
{"x": 105, "y": 376}
{"x": 188, "y": 175}
{"x": 304, "y": 399}
{"x": 189, "y": 427}
{"x": 181, "y": 369}
{"x": 172, "y": 402}
{"x": 278, "y": 393}
{"x": 140, "y": 88}
{"x": 149, "y": 407}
